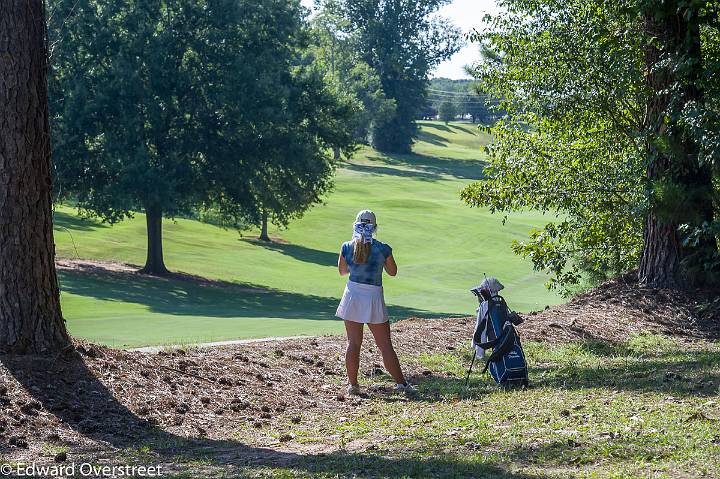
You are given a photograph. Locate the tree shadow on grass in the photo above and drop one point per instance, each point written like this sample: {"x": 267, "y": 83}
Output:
{"x": 298, "y": 252}
{"x": 422, "y": 167}
{"x": 463, "y": 169}
{"x": 466, "y": 129}
{"x": 345, "y": 464}
{"x": 437, "y": 126}
{"x": 66, "y": 388}
{"x": 75, "y": 223}
{"x": 387, "y": 171}
{"x": 432, "y": 138}
{"x": 690, "y": 374}
{"x": 186, "y": 295}
{"x": 696, "y": 376}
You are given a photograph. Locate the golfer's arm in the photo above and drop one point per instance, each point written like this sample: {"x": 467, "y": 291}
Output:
{"x": 391, "y": 266}
{"x": 342, "y": 266}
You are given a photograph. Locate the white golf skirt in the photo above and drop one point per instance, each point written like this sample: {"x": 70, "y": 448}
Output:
{"x": 363, "y": 303}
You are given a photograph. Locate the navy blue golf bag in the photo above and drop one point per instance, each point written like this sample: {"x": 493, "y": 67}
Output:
{"x": 506, "y": 363}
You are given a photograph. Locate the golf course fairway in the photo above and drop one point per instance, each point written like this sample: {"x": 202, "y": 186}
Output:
{"x": 291, "y": 286}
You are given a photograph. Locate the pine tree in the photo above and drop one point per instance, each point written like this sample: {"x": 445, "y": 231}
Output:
{"x": 30, "y": 316}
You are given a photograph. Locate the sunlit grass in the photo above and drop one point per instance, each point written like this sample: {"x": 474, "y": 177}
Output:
{"x": 442, "y": 247}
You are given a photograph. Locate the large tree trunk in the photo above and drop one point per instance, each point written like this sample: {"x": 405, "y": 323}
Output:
{"x": 154, "y": 264}
{"x": 672, "y": 154}
{"x": 264, "y": 227}
{"x": 30, "y": 316}
{"x": 660, "y": 263}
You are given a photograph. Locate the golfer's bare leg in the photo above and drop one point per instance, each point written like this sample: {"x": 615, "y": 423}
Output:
{"x": 352, "y": 353}
{"x": 381, "y": 333}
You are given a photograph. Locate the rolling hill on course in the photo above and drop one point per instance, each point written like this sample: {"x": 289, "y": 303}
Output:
{"x": 236, "y": 287}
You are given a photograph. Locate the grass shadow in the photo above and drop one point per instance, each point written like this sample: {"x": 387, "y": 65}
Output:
{"x": 430, "y": 464}
{"x": 465, "y": 129}
{"x": 436, "y": 126}
{"x": 684, "y": 374}
{"x": 186, "y": 295}
{"x": 696, "y": 376}
{"x": 387, "y": 171}
{"x": 432, "y": 138}
{"x": 76, "y": 223}
{"x": 423, "y": 167}
{"x": 463, "y": 169}
{"x": 298, "y": 252}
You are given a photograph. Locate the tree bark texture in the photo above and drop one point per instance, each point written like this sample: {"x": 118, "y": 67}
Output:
{"x": 154, "y": 264}
{"x": 665, "y": 263}
{"x": 30, "y": 317}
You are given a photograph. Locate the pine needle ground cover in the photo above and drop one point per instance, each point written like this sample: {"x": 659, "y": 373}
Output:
{"x": 234, "y": 286}
{"x": 641, "y": 406}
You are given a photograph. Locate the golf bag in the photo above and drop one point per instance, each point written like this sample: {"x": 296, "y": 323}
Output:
{"x": 496, "y": 331}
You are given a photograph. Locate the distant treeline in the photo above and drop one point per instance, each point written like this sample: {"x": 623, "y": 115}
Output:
{"x": 452, "y": 99}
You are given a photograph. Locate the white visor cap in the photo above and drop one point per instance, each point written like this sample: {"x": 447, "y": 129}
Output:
{"x": 366, "y": 216}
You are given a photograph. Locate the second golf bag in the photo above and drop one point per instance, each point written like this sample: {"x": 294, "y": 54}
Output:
{"x": 496, "y": 331}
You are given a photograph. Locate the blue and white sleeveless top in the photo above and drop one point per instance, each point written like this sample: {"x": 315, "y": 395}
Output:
{"x": 370, "y": 272}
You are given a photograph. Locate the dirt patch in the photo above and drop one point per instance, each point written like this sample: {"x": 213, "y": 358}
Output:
{"x": 99, "y": 402}
{"x": 619, "y": 308}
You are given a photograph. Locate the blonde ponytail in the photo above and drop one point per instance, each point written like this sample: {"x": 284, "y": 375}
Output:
{"x": 361, "y": 251}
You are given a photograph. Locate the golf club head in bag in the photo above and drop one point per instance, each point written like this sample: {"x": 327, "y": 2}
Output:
{"x": 495, "y": 329}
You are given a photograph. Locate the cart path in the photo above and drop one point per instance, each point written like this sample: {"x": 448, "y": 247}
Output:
{"x": 157, "y": 349}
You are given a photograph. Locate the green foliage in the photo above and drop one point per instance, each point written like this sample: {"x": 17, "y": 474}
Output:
{"x": 334, "y": 53}
{"x": 290, "y": 287}
{"x": 177, "y": 105}
{"x": 447, "y": 111}
{"x": 577, "y": 158}
{"x": 296, "y": 168}
{"x": 401, "y": 41}
{"x": 376, "y": 107}
{"x": 574, "y": 83}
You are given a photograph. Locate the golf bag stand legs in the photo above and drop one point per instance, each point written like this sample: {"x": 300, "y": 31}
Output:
{"x": 467, "y": 379}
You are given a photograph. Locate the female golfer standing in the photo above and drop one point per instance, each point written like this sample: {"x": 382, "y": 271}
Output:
{"x": 364, "y": 258}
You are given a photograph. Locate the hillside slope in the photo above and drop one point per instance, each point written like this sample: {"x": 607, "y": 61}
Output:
{"x": 291, "y": 287}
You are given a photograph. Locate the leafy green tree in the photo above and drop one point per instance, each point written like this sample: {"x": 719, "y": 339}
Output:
{"x": 466, "y": 96}
{"x": 168, "y": 106}
{"x": 429, "y": 111}
{"x": 478, "y": 107}
{"x": 376, "y": 107}
{"x": 402, "y": 41}
{"x": 448, "y": 111}
{"x": 297, "y": 169}
{"x": 610, "y": 126}
{"x": 334, "y": 52}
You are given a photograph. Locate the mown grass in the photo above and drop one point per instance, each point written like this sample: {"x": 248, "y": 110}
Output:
{"x": 442, "y": 246}
{"x": 647, "y": 408}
